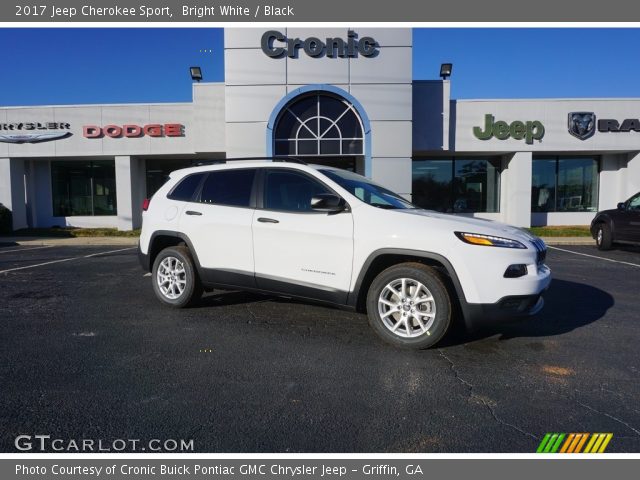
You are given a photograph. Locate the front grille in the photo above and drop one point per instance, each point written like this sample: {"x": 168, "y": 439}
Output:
{"x": 541, "y": 250}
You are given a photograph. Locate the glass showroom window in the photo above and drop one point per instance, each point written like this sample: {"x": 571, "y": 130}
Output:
{"x": 457, "y": 185}
{"x": 564, "y": 184}
{"x": 83, "y": 188}
{"x": 319, "y": 124}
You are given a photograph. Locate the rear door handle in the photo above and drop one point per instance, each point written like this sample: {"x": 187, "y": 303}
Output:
{"x": 192, "y": 212}
{"x": 268, "y": 220}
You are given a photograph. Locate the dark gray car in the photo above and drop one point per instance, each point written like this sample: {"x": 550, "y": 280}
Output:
{"x": 619, "y": 225}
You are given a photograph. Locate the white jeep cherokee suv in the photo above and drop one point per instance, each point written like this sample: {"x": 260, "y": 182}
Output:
{"x": 324, "y": 234}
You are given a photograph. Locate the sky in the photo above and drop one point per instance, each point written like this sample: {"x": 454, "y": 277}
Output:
{"x": 58, "y": 66}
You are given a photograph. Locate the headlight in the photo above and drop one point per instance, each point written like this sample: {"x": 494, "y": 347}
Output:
{"x": 488, "y": 240}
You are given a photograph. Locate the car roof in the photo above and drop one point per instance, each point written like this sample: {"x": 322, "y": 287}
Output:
{"x": 249, "y": 163}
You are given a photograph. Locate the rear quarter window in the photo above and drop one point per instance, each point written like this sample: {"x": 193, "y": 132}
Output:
{"x": 185, "y": 189}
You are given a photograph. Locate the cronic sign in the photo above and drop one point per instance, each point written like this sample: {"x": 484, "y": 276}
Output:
{"x": 275, "y": 44}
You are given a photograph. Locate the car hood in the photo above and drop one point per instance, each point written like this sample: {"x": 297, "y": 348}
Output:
{"x": 470, "y": 225}
{"x": 607, "y": 212}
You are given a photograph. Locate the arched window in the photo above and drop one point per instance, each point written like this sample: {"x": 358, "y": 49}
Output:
{"x": 318, "y": 124}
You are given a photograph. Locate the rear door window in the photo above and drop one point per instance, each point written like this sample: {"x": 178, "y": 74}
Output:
{"x": 229, "y": 187}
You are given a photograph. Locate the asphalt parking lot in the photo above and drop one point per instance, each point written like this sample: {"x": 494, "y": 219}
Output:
{"x": 87, "y": 352}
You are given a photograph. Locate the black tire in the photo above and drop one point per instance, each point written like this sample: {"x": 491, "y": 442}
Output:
{"x": 192, "y": 288}
{"x": 604, "y": 239}
{"x": 430, "y": 279}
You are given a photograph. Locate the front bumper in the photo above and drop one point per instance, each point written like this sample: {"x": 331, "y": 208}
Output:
{"x": 507, "y": 308}
{"x": 478, "y": 315}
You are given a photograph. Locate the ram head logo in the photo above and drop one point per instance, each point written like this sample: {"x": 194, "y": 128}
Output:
{"x": 582, "y": 125}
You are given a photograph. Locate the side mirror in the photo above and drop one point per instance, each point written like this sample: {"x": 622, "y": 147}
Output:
{"x": 328, "y": 202}
{"x": 622, "y": 206}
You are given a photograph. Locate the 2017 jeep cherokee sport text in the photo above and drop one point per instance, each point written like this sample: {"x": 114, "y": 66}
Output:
{"x": 333, "y": 236}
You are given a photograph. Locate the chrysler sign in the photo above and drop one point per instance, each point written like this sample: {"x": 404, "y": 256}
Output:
{"x": 275, "y": 44}
{"x": 33, "y": 132}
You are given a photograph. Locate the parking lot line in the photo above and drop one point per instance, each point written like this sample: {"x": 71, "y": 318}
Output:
{"x": 65, "y": 260}
{"x": 25, "y": 249}
{"x": 591, "y": 256}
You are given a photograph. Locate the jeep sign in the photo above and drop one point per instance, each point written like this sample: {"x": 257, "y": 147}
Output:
{"x": 529, "y": 131}
{"x": 275, "y": 44}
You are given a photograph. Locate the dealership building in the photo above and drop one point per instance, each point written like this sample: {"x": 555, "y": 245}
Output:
{"x": 341, "y": 97}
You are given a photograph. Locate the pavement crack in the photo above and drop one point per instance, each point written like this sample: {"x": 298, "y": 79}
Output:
{"x": 253, "y": 315}
{"x": 472, "y": 394}
{"x": 506, "y": 424}
{"x": 454, "y": 369}
{"x": 615, "y": 419}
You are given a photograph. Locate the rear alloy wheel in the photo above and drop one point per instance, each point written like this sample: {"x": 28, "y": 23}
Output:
{"x": 175, "y": 280}
{"x": 408, "y": 305}
{"x": 604, "y": 239}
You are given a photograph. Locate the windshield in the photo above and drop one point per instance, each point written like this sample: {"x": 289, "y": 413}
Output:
{"x": 367, "y": 191}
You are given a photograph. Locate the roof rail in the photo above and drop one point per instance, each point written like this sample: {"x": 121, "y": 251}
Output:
{"x": 289, "y": 160}
{"x": 209, "y": 162}
{"x": 273, "y": 159}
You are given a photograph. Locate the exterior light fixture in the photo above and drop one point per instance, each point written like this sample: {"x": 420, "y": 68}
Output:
{"x": 196, "y": 73}
{"x": 445, "y": 70}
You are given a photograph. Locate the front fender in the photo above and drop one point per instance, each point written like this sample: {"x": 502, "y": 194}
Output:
{"x": 601, "y": 218}
{"x": 451, "y": 272}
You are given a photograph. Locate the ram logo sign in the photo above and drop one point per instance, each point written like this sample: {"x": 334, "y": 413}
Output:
{"x": 582, "y": 125}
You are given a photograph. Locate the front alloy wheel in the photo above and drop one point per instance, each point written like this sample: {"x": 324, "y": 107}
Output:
{"x": 407, "y": 308}
{"x": 408, "y": 305}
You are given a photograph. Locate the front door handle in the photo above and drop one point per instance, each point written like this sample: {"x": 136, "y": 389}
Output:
{"x": 192, "y": 212}
{"x": 268, "y": 220}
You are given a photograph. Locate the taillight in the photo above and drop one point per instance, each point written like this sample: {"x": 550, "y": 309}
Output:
{"x": 145, "y": 204}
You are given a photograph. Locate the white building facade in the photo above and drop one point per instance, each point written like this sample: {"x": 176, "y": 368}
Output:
{"x": 342, "y": 97}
